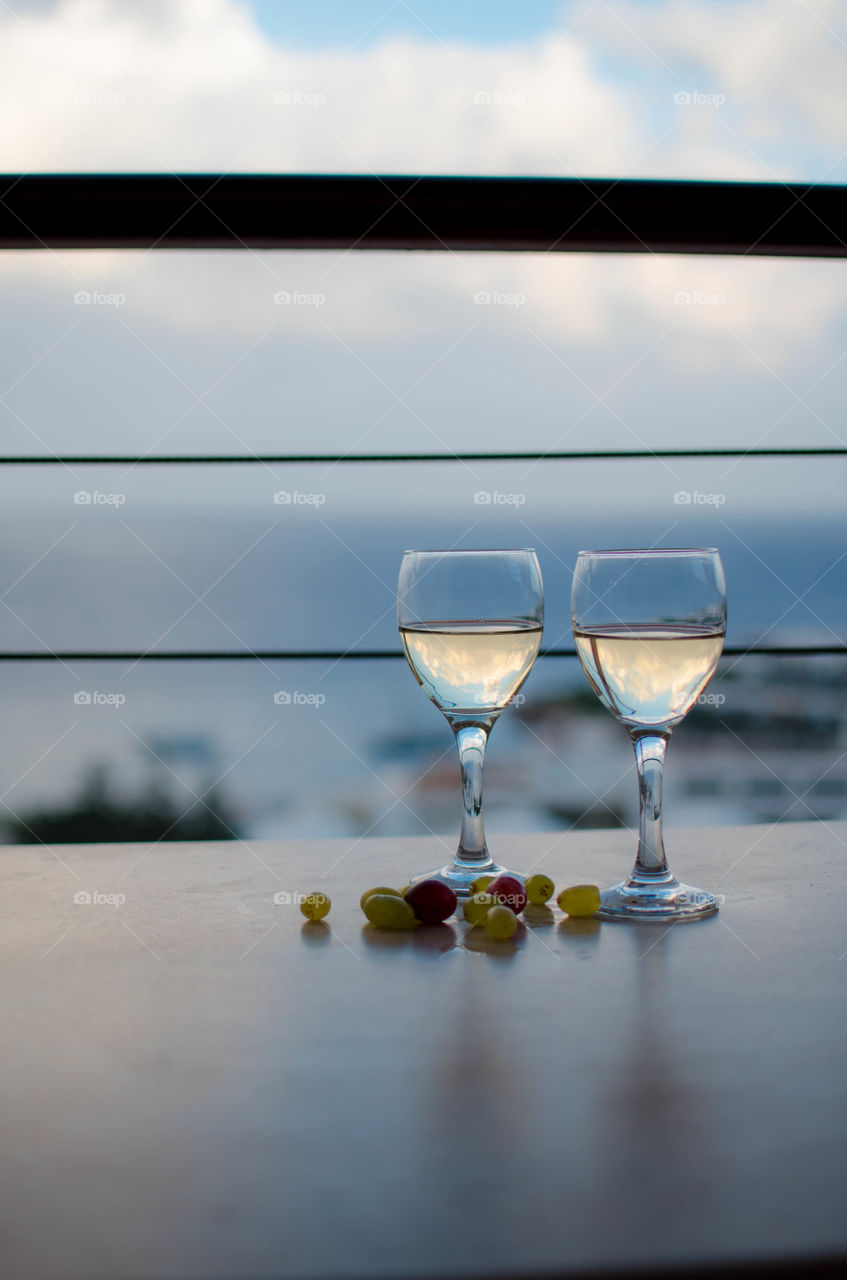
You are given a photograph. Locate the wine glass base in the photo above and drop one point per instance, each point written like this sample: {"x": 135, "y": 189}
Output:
{"x": 461, "y": 878}
{"x": 662, "y": 903}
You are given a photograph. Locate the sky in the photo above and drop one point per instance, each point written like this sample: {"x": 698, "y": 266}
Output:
{"x": 241, "y": 352}
{"x": 341, "y": 24}
{"x": 749, "y": 89}
{"x": 248, "y": 351}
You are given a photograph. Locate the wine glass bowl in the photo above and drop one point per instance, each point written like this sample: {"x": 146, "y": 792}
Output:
{"x": 649, "y": 627}
{"x": 470, "y": 623}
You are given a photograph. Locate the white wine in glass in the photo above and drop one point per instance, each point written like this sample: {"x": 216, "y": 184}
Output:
{"x": 649, "y": 675}
{"x": 649, "y": 628}
{"x": 470, "y": 665}
{"x": 470, "y": 623}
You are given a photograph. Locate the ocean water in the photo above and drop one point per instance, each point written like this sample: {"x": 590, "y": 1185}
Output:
{"x": 354, "y": 746}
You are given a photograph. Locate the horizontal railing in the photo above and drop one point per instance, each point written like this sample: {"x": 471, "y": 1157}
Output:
{"x": 542, "y": 455}
{"x": 367, "y": 655}
{"x": 270, "y": 211}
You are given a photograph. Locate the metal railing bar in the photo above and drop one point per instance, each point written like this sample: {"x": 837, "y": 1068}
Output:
{"x": 372, "y": 211}
{"x": 359, "y": 655}
{"x": 594, "y": 455}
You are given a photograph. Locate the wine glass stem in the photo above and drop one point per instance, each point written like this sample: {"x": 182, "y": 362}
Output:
{"x": 471, "y": 740}
{"x": 650, "y": 862}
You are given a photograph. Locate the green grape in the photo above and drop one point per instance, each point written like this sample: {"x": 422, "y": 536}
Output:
{"x": 395, "y": 893}
{"x": 476, "y": 908}
{"x": 315, "y": 906}
{"x": 501, "y": 922}
{"x": 580, "y": 900}
{"x": 539, "y": 889}
{"x": 481, "y": 884}
{"x": 389, "y": 911}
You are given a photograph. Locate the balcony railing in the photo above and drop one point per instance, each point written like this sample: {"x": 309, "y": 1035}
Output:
{"x": 226, "y": 211}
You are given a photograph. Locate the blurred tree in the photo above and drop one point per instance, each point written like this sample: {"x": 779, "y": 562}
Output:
{"x": 97, "y": 815}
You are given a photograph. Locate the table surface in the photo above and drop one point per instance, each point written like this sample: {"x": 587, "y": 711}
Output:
{"x": 198, "y": 1083}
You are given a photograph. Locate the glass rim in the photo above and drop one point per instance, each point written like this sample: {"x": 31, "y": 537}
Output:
{"x": 466, "y": 551}
{"x": 651, "y": 551}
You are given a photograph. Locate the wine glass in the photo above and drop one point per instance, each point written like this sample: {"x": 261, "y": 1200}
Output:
{"x": 470, "y": 623}
{"x": 649, "y": 629}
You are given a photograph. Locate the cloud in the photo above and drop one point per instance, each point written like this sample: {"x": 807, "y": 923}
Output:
{"x": 100, "y": 84}
{"x": 778, "y": 68}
